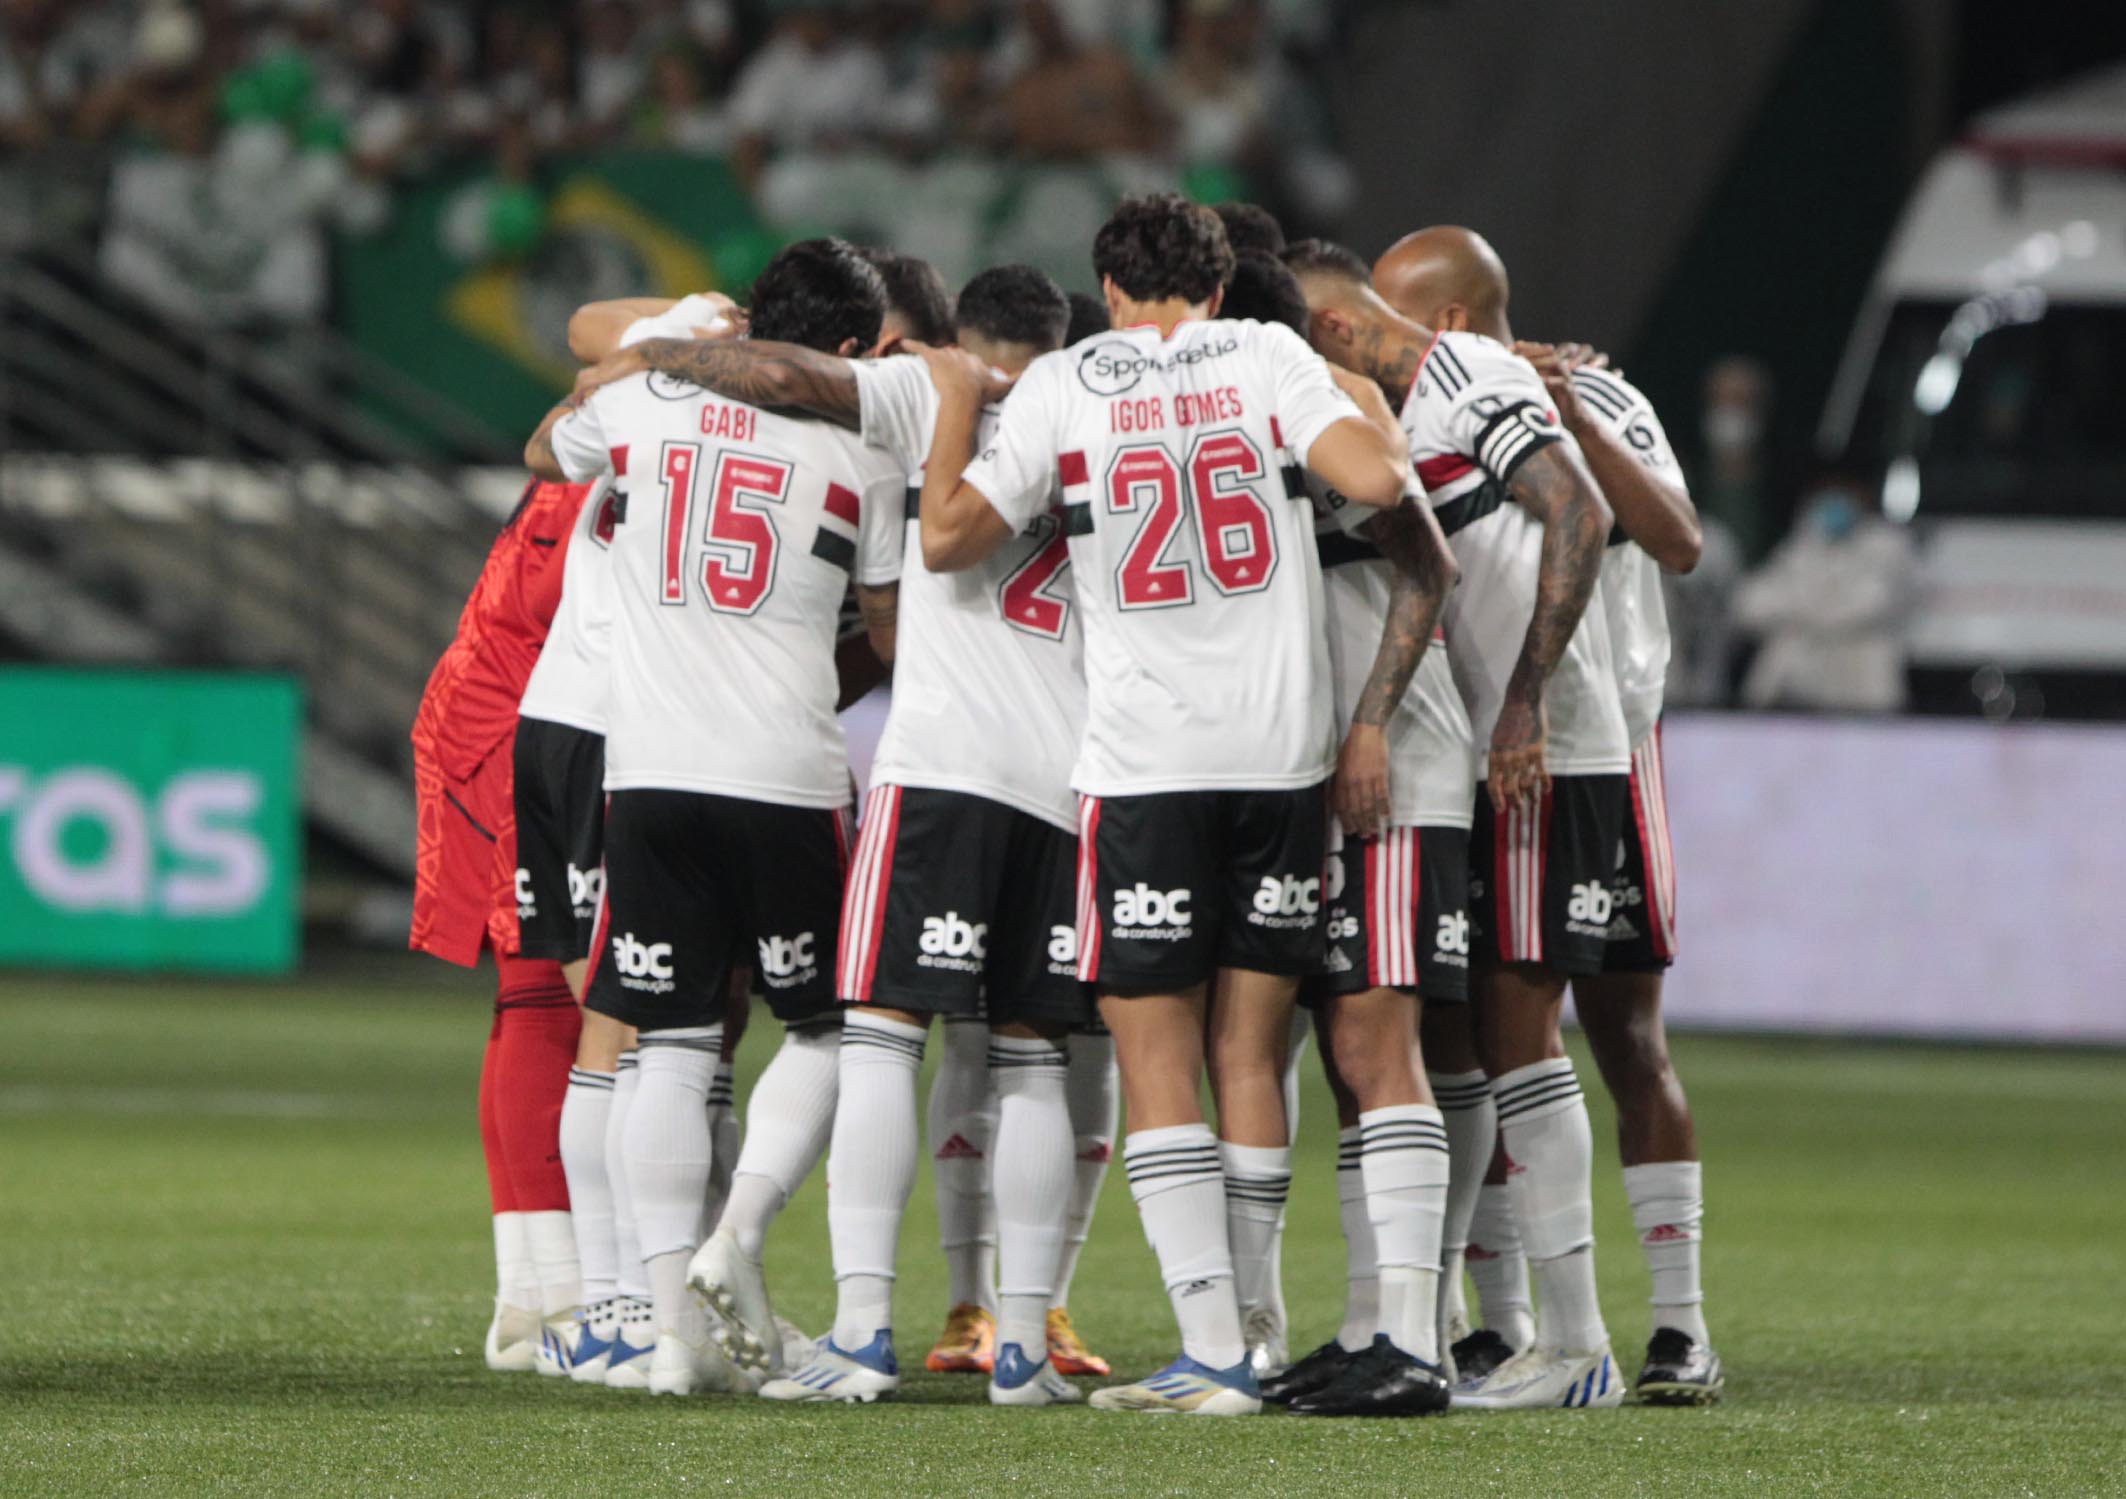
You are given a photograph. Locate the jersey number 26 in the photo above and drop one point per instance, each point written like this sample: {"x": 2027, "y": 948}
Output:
{"x": 1236, "y": 544}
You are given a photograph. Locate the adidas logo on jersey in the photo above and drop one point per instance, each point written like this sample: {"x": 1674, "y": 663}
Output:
{"x": 1588, "y": 909}
{"x": 1159, "y": 915}
{"x": 949, "y": 942}
{"x": 959, "y": 1148}
{"x": 1063, "y": 951}
{"x": 527, "y": 898}
{"x": 787, "y": 960}
{"x": 643, "y": 966}
{"x": 1286, "y": 902}
{"x": 584, "y": 890}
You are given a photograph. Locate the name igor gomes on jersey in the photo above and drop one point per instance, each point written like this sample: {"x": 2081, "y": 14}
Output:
{"x": 1192, "y": 560}
{"x": 743, "y": 531}
{"x": 988, "y": 689}
{"x": 1475, "y": 414}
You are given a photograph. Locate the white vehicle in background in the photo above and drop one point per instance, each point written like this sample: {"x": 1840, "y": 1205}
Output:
{"x": 1985, "y": 383}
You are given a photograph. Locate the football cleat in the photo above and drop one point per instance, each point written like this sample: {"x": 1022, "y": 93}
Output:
{"x": 627, "y": 1364}
{"x": 1477, "y": 1355}
{"x": 1268, "y": 1351}
{"x": 681, "y": 1367}
{"x": 1019, "y": 1380}
{"x": 1542, "y": 1379}
{"x": 1186, "y": 1388}
{"x": 796, "y": 1347}
{"x": 1679, "y": 1370}
{"x": 834, "y": 1374}
{"x": 968, "y": 1343}
{"x": 1316, "y": 1372}
{"x": 513, "y": 1339}
{"x": 559, "y": 1338}
{"x": 1067, "y": 1352}
{"x": 594, "y": 1344}
{"x": 737, "y": 1292}
{"x": 1380, "y": 1380}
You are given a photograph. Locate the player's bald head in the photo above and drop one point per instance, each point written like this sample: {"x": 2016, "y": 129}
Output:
{"x": 1445, "y": 277}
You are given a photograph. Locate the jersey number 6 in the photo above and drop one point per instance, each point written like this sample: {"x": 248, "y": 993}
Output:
{"x": 738, "y": 567}
{"x": 1235, "y": 541}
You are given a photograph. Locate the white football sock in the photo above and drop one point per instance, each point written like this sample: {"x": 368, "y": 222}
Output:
{"x": 1668, "y": 1208}
{"x": 871, "y": 1168}
{"x": 667, "y": 1149}
{"x": 1032, "y": 1184}
{"x": 1499, "y": 1268}
{"x": 1543, "y": 1120}
{"x": 516, "y": 1278}
{"x": 962, "y": 1119}
{"x": 1258, "y": 1179}
{"x": 590, "y": 1198}
{"x": 631, "y": 1280}
{"x": 553, "y": 1251}
{"x": 724, "y": 1140}
{"x": 1095, "y": 1093}
{"x": 1464, "y": 1100}
{"x": 788, "y": 1120}
{"x": 1403, "y": 1157}
{"x": 1175, "y": 1175}
{"x": 1361, "y": 1265}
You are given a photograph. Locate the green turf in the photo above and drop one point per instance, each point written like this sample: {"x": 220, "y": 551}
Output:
{"x": 245, "y": 1250}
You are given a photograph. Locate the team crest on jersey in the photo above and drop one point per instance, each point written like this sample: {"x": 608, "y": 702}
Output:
{"x": 671, "y": 387}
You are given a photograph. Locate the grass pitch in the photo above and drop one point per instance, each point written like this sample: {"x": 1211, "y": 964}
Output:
{"x": 246, "y": 1251}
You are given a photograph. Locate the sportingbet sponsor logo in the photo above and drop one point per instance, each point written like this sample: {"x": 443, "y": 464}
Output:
{"x": 788, "y": 960}
{"x": 1152, "y": 915}
{"x": 1450, "y": 940}
{"x": 585, "y": 888}
{"x": 1111, "y": 366}
{"x": 1063, "y": 951}
{"x": 1588, "y": 909}
{"x": 1285, "y": 902}
{"x": 953, "y": 943}
{"x": 645, "y": 967}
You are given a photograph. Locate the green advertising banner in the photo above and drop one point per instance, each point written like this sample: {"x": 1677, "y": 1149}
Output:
{"x": 149, "y": 819}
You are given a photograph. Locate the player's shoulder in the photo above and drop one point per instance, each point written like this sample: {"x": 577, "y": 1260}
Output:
{"x": 1458, "y": 364}
{"x": 1607, "y": 392}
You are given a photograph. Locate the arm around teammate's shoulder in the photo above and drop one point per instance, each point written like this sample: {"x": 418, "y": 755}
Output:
{"x": 961, "y": 523}
{"x": 1366, "y": 457}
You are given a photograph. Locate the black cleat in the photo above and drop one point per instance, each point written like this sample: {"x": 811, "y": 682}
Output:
{"x": 1317, "y": 1371}
{"x": 1380, "y": 1380}
{"x": 1478, "y": 1354}
{"x": 1679, "y": 1371}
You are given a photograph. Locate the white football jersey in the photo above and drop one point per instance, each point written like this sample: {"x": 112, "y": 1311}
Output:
{"x": 988, "y": 684}
{"x": 568, "y": 681}
{"x": 1431, "y": 755}
{"x": 1191, "y": 548}
{"x": 743, "y": 530}
{"x": 1476, "y": 413}
{"x": 1631, "y": 580}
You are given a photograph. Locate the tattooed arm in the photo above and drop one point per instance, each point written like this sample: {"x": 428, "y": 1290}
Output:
{"x": 773, "y": 376}
{"x": 1424, "y": 570}
{"x": 1554, "y": 486}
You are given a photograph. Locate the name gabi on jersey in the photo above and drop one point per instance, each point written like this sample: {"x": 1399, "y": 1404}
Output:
{"x": 1190, "y": 409}
{"x": 732, "y": 423}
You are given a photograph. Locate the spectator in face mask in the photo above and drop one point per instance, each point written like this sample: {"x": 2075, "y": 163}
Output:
{"x": 1733, "y": 487}
{"x": 1831, "y": 605}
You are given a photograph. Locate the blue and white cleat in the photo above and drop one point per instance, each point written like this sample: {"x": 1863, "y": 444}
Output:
{"x": 627, "y": 1366}
{"x": 837, "y": 1374}
{"x": 1186, "y": 1388}
{"x": 559, "y": 1339}
{"x": 1019, "y": 1380}
{"x": 1546, "y": 1379}
{"x": 594, "y": 1344}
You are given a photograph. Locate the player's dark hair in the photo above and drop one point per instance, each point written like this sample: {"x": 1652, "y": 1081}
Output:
{"x": 1015, "y": 304}
{"x": 1324, "y": 257}
{"x": 915, "y": 293}
{"x": 1162, "y": 246}
{"x": 1263, "y": 289}
{"x": 1088, "y": 315}
{"x": 819, "y": 293}
{"x": 1250, "y": 226}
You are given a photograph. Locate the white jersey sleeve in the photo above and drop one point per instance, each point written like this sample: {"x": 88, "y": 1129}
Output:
{"x": 899, "y": 405}
{"x": 1309, "y": 401}
{"x": 1475, "y": 414}
{"x": 579, "y": 441}
{"x": 568, "y": 682}
{"x": 1631, "y": 580}
{"x": 882, "y": 511}
{"x": 1016, "y": 471}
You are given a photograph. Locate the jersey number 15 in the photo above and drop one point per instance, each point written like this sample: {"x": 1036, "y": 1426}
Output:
{"x": 738, "y": 563}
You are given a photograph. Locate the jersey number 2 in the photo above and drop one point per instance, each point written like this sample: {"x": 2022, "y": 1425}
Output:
{"x": 1215, "y": 492}
{"x": 1026, "y": 597}
{"x": 738, "y": 566}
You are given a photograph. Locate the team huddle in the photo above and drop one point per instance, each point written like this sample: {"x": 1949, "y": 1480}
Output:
{"x": 1276, "y": 650}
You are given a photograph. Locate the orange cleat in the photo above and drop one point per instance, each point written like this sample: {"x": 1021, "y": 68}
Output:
{"x": 968, "y": 1345}
{"x": 1067, "y": 1353}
